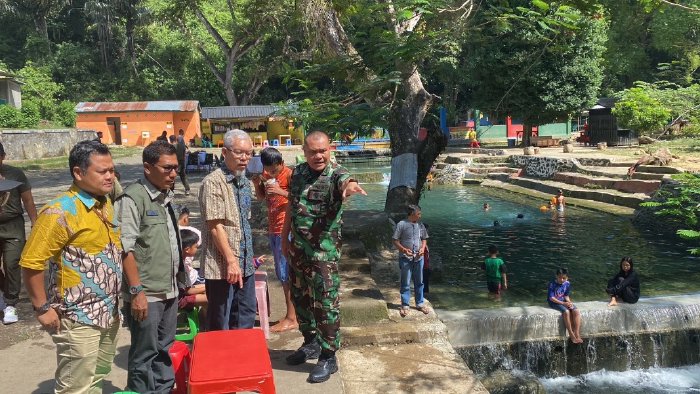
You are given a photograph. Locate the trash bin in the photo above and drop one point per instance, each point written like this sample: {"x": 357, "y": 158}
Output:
{"x": 511, "y": 142}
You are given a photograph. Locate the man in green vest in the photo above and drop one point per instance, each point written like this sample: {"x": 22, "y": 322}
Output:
{"x": 152, "y": 264}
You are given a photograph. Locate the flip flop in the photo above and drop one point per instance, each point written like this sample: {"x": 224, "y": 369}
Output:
{"x": 403, "y": 311}
{"x": 424, "y": 309}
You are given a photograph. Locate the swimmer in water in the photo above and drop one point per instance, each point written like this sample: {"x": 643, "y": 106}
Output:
{"x": 486, "y": 206}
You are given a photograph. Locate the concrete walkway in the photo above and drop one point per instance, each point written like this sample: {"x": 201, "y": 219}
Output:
{"x": 382, "y": 353}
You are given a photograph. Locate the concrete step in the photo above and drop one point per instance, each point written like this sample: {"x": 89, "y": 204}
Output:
{"x": 472, "y": 181}
{"x": 361, "y": 301}
{"x": 487, "y": 170}
{"x": 660, "y": 169}
{"x": 570, "y": 201}
{"x": 603, "y": 195}
{"x": 491, "y": 159}
{"x": 627, "y": 186}
{"x": 619, "y": 172}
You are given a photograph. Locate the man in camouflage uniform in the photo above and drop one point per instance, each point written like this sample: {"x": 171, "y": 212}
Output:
{"x": 314, "y": 217}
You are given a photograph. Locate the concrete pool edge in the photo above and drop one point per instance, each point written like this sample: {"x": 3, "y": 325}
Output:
{"x": 577, "y": 202}
{"x": 516, "y": 324}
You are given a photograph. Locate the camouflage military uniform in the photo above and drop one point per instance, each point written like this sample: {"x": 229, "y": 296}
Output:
{"x": 317, "y": 208}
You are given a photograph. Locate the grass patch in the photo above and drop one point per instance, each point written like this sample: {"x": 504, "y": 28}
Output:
{"x": 53, "y": 163}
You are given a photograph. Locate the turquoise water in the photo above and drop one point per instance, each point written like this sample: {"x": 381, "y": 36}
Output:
{"x": 589, "y": 243}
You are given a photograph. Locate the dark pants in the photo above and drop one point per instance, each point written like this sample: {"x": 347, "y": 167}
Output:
{"x": 231, "y": 307}
{"x": 183, "y": 176}
{"x": 12, "y": 241}
{"x": 150, "y": 369}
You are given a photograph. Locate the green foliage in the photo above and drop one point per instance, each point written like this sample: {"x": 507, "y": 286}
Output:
{"x": 638, "y": 111}
{"x": 31, "y": 113}
{"x": 683, "y": 205}
{"x": 10, "y": 117}
{"x": 648, "y": 107}
{"x": 65, "y": 113}
{"x": 539, "y": 66}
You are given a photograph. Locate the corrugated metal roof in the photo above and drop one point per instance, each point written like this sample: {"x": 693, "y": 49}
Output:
{"x": 238, "y": 111}
{"x": 131, "y": 106}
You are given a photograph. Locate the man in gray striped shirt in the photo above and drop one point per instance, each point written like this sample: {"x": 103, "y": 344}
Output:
{"x": 410, "y": 239}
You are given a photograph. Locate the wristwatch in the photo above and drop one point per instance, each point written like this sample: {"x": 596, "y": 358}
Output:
{"x": 42, "y": 309}
{"x": 133, "y": 290}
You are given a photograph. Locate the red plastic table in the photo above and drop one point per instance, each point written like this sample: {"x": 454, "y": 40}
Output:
{"x": 230, "y": 361}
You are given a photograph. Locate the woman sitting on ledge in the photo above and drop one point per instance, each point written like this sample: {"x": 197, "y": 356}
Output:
{"x": 625, "y": 285}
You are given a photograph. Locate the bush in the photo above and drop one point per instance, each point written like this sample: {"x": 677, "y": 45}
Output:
{"x": 65, "y": 114}
{"x": 31, "y": 115}
{"x": 10, "y": 117}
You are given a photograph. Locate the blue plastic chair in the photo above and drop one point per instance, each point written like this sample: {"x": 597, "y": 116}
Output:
{"x": 275, "y": 143}
{"x": 289, "y": 142}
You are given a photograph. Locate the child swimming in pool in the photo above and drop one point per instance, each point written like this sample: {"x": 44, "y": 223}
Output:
{"x": 558, "y": 298}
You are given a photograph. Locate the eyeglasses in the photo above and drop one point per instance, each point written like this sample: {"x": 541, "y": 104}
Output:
{"x": 240, "y": 153}
{"x": 168, "y": 169}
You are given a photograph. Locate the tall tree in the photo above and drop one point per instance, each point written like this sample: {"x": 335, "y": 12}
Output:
{"x": 225, "y": 32}
{"x": 537, "y": 72}
{"x": 386, "y": 45}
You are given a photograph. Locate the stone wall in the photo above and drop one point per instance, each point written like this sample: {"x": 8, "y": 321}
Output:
{"x": 37, "y": 144}
{"x": 543, "y": 167}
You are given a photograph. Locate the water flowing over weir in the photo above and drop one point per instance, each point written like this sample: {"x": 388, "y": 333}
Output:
{"x": 655, "y": 332}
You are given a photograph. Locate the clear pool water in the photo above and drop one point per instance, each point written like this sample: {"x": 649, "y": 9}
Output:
{"x": 589, "y": 243}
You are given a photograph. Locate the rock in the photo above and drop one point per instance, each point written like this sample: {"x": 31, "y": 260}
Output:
{"x": 502, "y": 382}
{"x": 453, "y": 160}
{"x": 602, "y": 145}
{"x": 568, "y": 147}
{"x": 644, "y": 140}
{"x": 529, "y": 150}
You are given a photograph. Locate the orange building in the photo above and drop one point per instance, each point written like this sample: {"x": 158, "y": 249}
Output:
{"x": 139, "y": 123}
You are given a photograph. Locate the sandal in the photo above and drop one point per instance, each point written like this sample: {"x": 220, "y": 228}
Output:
{"x": 403, "y": 311}
{"x": 423, "y": 309}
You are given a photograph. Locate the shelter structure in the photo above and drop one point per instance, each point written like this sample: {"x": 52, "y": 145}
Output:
{"x": 10, "y": 90}
{"x": 138, "y": 123}
{"x": 602, "y": 126}
{"x": 259, "y": 121}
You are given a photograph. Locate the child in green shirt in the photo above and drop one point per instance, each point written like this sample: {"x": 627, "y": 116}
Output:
{"x": 495, "y": 272}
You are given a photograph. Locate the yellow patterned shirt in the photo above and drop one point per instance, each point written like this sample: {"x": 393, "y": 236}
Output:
{"x": 78, "y": 235}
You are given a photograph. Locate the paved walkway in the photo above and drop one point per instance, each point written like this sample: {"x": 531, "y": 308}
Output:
{"x": 28, "y": 355}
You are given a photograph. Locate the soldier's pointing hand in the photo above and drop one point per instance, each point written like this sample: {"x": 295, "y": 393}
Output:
{"x": 351, "y": 188}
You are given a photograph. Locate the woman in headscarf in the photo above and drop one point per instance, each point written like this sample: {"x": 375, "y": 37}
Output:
{"x": 624, "y": 286}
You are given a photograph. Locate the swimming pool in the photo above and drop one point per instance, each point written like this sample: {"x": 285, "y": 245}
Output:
{"x": 589, "y": 243}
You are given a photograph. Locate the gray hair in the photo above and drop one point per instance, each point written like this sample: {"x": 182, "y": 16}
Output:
{"x": 233, "y": 135}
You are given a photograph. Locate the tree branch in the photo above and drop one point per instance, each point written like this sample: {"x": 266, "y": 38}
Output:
{"x": 211, "y": 29}
{"x": 466, "y": 8}
{"x": 682, "y": 6}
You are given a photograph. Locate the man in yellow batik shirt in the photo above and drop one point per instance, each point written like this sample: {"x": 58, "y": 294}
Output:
{"x": 79, "y": 237}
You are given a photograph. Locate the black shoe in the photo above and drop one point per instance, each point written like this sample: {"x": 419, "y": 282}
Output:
{"x": 308, "y": 351}
{"x": 323, "y": 370}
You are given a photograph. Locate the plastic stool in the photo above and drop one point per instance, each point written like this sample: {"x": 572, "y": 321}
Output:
{"x": 216, "y": 369}
{"x": 289, "y": 142}
{"x": 180, "y": 356}
{"x": 266, "y": 143}
{"x": 275, "y": 143}
{"x": 262, "y": 298}
{"x": 192, "y": 325}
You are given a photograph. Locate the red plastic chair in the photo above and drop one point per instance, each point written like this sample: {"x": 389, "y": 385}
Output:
{"x": 231, "y": 361}
{"x": 180, "y": 356}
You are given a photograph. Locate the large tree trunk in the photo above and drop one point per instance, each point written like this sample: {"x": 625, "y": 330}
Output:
{"x": 404, "y": 121}
{"x": 527, "y": 133}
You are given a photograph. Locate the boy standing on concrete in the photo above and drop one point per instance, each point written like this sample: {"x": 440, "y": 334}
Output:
{"x": 273, "y": 186}
{"x": 410, "y": 238}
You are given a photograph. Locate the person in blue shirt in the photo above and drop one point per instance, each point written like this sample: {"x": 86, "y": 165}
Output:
{"x": 558, "y": 298}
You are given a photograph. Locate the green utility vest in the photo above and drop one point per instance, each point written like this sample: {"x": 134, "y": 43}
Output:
{"x": 152, "y": 248}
